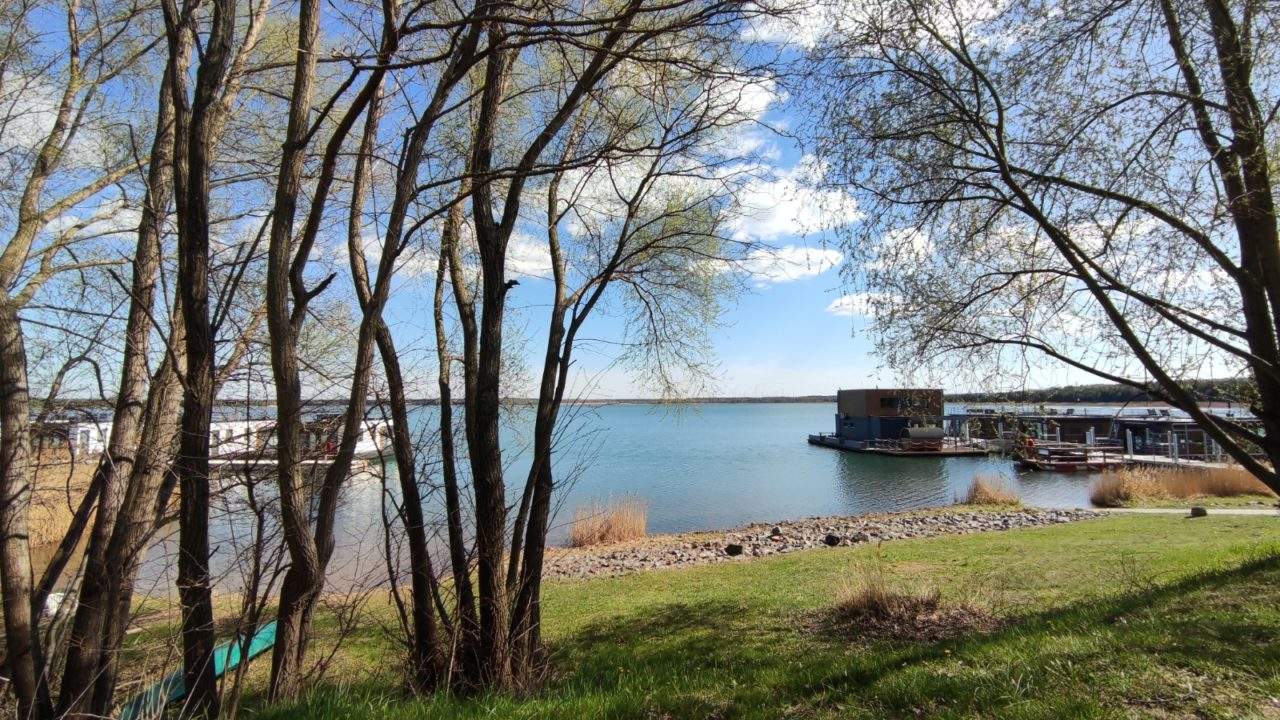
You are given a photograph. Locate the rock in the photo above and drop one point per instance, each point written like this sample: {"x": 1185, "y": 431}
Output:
{"x": 1198, "y": 511}
{"x": 794, "y": 535}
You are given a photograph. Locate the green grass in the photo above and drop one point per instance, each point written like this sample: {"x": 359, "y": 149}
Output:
{"x": 1125, "y": 616}
{"x": 1259, "y": 501}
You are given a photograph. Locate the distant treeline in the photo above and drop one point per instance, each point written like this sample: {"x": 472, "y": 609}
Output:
{"x": 91, "y": 404}
{"x": 1220, "y": 390}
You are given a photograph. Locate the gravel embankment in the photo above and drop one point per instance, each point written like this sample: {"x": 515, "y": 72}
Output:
{"x": 666, "y": 551}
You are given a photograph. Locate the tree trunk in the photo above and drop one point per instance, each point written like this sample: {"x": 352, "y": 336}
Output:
{"x": 145, "y": 501}
{"x": 424, "y": 652}
{"x": 424, "y": 655}
{"x": 467, "y": 623}
{"x": 302, "y": 579}
{"x": 483, "y": 406}
{"x": 22, "y": 638}
{"x": 193, "y": 157}
{"x": 84, "y": 645}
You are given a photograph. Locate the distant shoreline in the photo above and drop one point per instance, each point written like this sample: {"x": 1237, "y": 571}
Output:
{"x": 1213, "y": 393}
{"x": 768, "y": 400}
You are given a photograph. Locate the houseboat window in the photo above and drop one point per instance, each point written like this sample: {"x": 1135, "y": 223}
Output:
{"x": 890, "y": 403}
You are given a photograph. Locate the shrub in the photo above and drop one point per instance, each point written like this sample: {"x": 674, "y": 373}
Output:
{"x": 871, "y": 607}
{"x": 990, "y": 490}
{"x": 600, "y": 524}
{"x": 873, "y": 599}
{"x": 1117, "y": 488}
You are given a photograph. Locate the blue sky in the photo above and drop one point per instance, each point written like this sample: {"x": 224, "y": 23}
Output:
{"x": 779, "y": 336}
{"x": 795, "y": 329}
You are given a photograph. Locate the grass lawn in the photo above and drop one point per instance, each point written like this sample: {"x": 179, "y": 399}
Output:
{"x": 1124, "y": 616}
{"x": 1258, "y": 501}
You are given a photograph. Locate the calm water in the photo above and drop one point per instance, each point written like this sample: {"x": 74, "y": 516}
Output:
{"x": 720, "y": 465}
{"x": 696, "y": 467}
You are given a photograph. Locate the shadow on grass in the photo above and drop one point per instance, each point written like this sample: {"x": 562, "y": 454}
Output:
{"x": 1206, "y": 645}
{"x": 1092, "y": 658}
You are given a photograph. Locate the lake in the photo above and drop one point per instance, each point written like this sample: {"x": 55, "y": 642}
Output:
{"x": 719, "y": 465}
{"x": 696, "y": 467}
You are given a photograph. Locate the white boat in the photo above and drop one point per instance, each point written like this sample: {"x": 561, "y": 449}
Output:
{"x": 232, "y": 439}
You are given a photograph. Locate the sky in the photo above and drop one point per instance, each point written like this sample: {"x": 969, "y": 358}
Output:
{"x": 797, "y": 328}
{"x": 786, "y": 333}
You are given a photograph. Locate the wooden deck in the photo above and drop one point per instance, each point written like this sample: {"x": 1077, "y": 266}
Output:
{"x": 1165, "y": 461}
{"x": 832, "y": 441}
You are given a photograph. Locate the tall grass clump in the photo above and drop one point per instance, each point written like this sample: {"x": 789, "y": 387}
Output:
{"x": 871, "y": 596}
{"x": 601, "y": 524}
{"x": 871, "y": 604}
{"x": 1117, "y": 488}
{"x": 990, "y": 490}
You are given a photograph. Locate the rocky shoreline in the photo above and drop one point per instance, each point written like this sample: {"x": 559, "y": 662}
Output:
{"x": 763, "y": 539}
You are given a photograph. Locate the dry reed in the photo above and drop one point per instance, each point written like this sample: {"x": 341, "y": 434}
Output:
{"x": 872, "y": 607}
{"x": 1117, "y": 488}
{"x": 872, "y": 597}
{"x": 990, "y": 490}
{"x": 602, "y": 524}
{"x": 60, "y": 483}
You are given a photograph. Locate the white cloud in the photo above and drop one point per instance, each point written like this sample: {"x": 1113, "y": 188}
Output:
{"x": 787, "y": 204}
{"x": 30, "y": 106}
{"x": 805, "y": 24}
{"x": 788, "y": 22}
{"x": 858, "y": 304}
{"x": 111, "y": 219}
{"x": 528, "y": 257}
{"x": 789, "y": 262}
{"x": 745, "y": 97}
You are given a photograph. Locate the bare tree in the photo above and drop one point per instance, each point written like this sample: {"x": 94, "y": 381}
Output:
{"x": 657, "y": 234}
{"x": 59, "y": 156}
{"x": 309, "y": 549}
{"x": 673, "y": 241}
{"x": 1092, "y": 187}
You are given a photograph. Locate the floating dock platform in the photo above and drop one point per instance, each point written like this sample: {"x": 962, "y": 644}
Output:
{"x": 894, "y": 449}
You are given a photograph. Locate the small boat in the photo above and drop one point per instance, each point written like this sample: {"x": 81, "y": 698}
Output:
{"x": 151, "y": 703}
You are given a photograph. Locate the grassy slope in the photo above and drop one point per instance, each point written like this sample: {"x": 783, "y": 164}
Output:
{"x": 1124, "y": 616}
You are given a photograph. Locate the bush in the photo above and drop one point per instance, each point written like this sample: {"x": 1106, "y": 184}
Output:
{"x": 599, "y": 524}
{"x": 871, "y": 607}
{"x": 990, "y": 490}
{"x": 1117, "y": 488}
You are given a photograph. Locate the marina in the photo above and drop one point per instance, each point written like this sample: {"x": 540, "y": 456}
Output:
{"x": 915, "y": 422}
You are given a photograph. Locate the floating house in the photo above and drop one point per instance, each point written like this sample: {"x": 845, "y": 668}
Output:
{"x": 1141, "y": 432}
{"x": 235, "y": 435}
{"x": 863, "y": 415}
{"x": 894, "y": 421}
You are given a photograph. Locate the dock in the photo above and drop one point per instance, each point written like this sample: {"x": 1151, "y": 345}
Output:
{"x": 1174, "y": 462}
{"x": 914, "y": 422}
{"x": 894, "y": 449}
